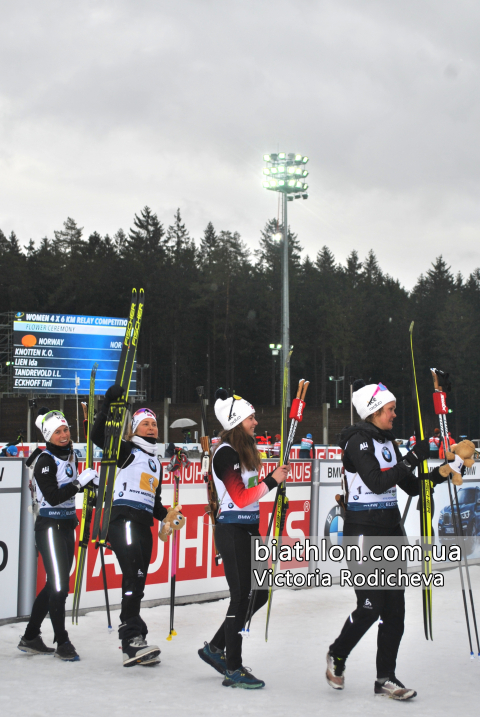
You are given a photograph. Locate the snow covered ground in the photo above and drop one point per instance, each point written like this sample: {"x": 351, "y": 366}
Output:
{"x": 292, "y": 664}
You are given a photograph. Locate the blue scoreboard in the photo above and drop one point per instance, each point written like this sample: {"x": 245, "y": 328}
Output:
{"x": 52, "y": 350}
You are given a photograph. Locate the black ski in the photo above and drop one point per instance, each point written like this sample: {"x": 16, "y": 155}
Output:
{"x": 88, "y": 504}
{"x": 425, "y": 500}
{"x": 115, "y": 420}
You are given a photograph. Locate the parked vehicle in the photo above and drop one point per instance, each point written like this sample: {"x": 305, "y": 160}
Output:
{"x": 469, "y": 502}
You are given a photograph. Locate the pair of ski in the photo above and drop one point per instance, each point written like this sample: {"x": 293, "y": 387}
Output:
{"x": 89, "y": 495}
{"x": 425, "y": 501}
{"x": 113, "y": 434}
{"x": 440, "y": 407}
{"x": 115, "y": 420}
{"x": 280, "y": 504}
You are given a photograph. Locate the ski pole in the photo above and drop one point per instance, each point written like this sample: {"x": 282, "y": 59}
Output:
{"x": 440, "y": 406}
{"x": 172, "y": 632}
{"x": 105, "y": 587}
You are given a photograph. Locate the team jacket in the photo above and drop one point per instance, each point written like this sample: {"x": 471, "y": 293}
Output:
{"x": 138, "y": 485}
{"x": 238, "y": 490}
{"x": 374, "y": 468}
{"x": 54, "y": 475}
{"x": 306, "y": 444}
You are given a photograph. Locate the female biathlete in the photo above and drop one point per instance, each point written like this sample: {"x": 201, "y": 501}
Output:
{"x": 57, "y": 483}
{"x": 235, "y": 467}
{"x": 373, "y": 468}
{"x": 136, "y": 501}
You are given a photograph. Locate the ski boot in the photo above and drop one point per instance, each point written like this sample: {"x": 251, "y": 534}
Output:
{"x": 242, "y": 678}
{"x": 214, "y": 657}
{"x": 67, "y": 652}
{"x": 35, "y": 646}
{"x": 393, "y": 688}
{"x": 335, "y": 670}
{"x": 136, "y": 651}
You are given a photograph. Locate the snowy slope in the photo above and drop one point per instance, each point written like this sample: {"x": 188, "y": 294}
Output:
{"x": 292, "y": 663}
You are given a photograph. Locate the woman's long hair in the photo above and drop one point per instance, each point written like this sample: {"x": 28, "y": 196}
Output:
{"x": 245, "y": 446}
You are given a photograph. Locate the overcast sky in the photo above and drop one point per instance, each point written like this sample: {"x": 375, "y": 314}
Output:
{"x": 109, "y": 105}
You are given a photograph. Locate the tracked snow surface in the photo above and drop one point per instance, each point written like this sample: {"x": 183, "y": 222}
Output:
{"x": 292, "y": 663}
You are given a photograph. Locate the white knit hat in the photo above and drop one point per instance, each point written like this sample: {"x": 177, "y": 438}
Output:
{"x": 371, "y": 398}
{"x": 141, "y": 415}
{"x": 232, "y": 411}
{"x": 49, "y": 422}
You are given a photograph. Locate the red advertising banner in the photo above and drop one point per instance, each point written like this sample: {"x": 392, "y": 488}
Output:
{"x": 195, "y": 547}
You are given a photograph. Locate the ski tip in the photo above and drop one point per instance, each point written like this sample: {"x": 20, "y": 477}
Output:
{"x": 169, "y": 638}
{"x": 411, "y": 327}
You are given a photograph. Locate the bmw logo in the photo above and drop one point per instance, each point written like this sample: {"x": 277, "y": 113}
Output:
{"x": 120, "y": 494}
{"x": 386, "y": 454}
{"x": 69, "y": 471}
{"x": 334, "y": 526}
{"x": 152, "y": 464}
{"x": 355, "y": 497}
{"x": 230, "y": 505}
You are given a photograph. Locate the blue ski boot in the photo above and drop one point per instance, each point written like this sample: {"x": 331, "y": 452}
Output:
{"x": 242, "y": 678}
{"x": 214, "y": 657}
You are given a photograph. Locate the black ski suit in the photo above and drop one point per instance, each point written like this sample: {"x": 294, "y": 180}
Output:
{"x": 388, "y": 605}
{"x": 130, "y": 534}
{"x": 55, "y": 540}
{"x": 233, "y": 540}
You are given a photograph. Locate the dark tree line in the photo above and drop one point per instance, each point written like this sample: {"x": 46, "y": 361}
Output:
{"x": 213, "y": 308}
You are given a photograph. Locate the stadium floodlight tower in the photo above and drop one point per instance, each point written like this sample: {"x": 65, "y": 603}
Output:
{"x": 286, "y": 173}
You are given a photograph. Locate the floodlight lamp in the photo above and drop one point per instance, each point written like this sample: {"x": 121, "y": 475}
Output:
{"x": 305, "y": 187}
{"x": 298, "y": 158}
{"x": 267, "y": 158}
{"x": 291, "y": 155}
{"x": 273, "y": 170}
{"x": 298, "y": 171}
{"x": 304, "y": 196}
{"x": 279, "y": 346}
{"x": 282, "y": 155}
{"x": 273, "y": 182}
{"x": 266, "y": 184}
{"x": 290, "y": 199}
{"x": 266, "y": 170}
{"x": 271, "y": 346}
{"x": 330, "y": 378}
{"x": 291, "y": 182}
{"x": 281, "y": 168}
{"x": 299, "y": 185}
{"x": 305, "y": 173}
{"x": 305, "y": 160}
{"x": 297, "y": 196}
{"x": 274, "y": 352}
{"x": 340, "y": 400}
{"x": 278, "y": 236}
{"x": 273, "y": 157}
{"x": 281, "y": 182}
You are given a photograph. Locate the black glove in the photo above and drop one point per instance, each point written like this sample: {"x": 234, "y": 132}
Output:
{"x": 113, "y": 393}
{"x": 418, "y": 454}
